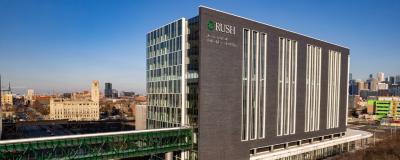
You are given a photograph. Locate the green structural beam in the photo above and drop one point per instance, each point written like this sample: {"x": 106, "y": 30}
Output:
{"x": 99, "y": 146}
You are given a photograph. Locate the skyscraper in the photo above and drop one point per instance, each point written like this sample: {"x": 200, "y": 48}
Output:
{"x": 391, "y": 80}
{"x": 244, "y": 87}
{"x": 29, "y": 95}
{"x": 108, "y": 90}
{"x": 397, "y": 79}
{"x": 374, "y": 84}
{"x": 380, "y": 76}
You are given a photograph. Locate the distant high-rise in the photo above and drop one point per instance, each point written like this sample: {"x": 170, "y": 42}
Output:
{"x": 397, "y": 79}
{"x": 127, "y": 94}
{"x": 380, "y": 76}
{"x": 29, "y": 95}
{"x": 114, "y": 93}
{"x": 108, "y": 90}
{"x": 360, "y": 86}
{"x": 394, "y": 90}
{"x": 391, "y": 80}
{"x": 353, "y": 87}
{"x": 95, "y": 94}
{"x": 374, "y": 84}
{"x": 371, "y": 76}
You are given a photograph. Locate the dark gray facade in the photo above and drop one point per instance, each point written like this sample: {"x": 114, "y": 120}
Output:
{"x": 108, "y": 90}
{"x": 220, "y": 87}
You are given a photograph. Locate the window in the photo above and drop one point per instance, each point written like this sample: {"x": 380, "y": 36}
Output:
{"x": 262, "y": 67}
{"x": 334, "y": 69}
{"x": 164, "y": 73}
{"x": 287, "y": 77}
{"x": 253, "y": 84}
{"x": 313, "y": 88}
{"x": 245, "y": 95}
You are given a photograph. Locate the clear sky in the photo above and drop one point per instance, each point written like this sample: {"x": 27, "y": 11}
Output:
{"x": 61, "y": 45}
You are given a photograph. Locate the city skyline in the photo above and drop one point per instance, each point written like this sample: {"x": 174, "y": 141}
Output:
{"x": 61, "y": 46}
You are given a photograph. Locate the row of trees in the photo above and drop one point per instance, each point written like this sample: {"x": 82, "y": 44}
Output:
{"x": 387, "y": 149}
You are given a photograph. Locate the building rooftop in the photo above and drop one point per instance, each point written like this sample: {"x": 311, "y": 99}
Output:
{"x": 272, "y": 26}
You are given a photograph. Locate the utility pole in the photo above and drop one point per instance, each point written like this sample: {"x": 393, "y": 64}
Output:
{"x": 374, "y": 136}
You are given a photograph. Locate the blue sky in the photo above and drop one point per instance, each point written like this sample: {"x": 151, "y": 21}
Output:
{"x": 62, "y": 45}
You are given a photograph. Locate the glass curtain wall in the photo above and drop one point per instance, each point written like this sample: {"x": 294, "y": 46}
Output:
{"x": 164, "y": 75}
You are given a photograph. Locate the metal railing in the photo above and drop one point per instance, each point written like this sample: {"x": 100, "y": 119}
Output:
{"x": 99, "y": 146}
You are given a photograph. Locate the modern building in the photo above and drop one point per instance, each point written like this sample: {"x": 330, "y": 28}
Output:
{"x": 397, "y": 79}
{"x": 380, "y": 76}
{"x": 350, "y": 76}
{"x": 29, "y": 95}
{"x": 247, "y": 89}
{"x": 394, "y": 90}
{"x": 366, "y": 94}
{"x": 373, "y": 84}
{"x": 77, "y": 110}
{"x": 114, "y": 93}
{"x": 127, "y": 94}
{"x": 386, "y": 107}
{"x": 108, "y": 90}
{"x": 383, "y": 86}
{"x": 353, "y": 89}
{"x": 392, "y": 80}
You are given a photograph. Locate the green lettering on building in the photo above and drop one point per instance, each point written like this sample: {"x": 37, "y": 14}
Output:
{"x": 211, "y": 25}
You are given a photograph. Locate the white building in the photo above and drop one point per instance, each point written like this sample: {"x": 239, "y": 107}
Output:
{"x": 29, "y": 95}
{"x": 140, "y": 117}
{"x": 383, "y": 86}
{"x": 77, "y": 110}
{"x": 374, "y": 84}
{"x": 380, "y": 76}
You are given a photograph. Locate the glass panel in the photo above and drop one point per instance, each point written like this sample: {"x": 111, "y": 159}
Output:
{"x": 244, "y": 84}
